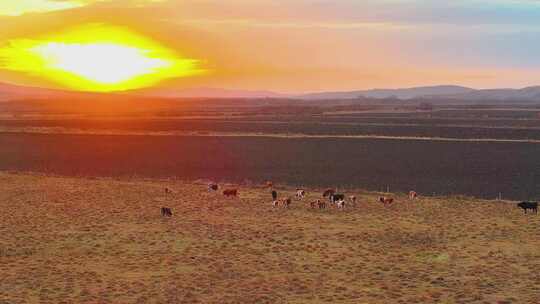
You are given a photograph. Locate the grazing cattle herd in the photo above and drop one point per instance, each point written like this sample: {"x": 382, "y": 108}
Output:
{"x": 336, "y": 200}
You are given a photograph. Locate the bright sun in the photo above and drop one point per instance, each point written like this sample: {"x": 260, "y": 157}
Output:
{"x": 116, "y": 63}
{"x": 97, "y": 58}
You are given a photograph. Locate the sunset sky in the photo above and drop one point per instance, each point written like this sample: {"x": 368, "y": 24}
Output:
{"x": 284, "y": 46}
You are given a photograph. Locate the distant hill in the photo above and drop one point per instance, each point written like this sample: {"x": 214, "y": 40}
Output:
{"x": 440, "y": 93}
{"x": 206, "y": 93}
{"x": 11, "y": 92}
{"x": 408, "y": 93}
{"x": 525, "y": 94}
{"x": 457, "y": 93}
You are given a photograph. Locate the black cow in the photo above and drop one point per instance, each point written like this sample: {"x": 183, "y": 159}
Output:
{"x": 274, "y": 195}
{"x": 529, "y": 205}
{"x": 166, "y": 212}
{"x": 337, "y": 197}
{"x": 328, "y": 192}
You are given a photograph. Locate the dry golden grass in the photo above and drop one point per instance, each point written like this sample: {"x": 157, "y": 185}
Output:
{"x": 68, "y": 240}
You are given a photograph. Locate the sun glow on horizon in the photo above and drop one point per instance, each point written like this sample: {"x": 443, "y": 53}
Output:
{"x": 97, "y": 58}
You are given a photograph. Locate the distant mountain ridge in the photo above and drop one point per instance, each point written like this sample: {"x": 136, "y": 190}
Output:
{"x": 459, "y": 93}
{"x": 443, "y": 92}
{"x": 525, "y": 94}
{"x": 207, "y": 93}
{"x": 407, "y": 93}
{"x": 12, "y": 91}
{"x": 9, "y": 91}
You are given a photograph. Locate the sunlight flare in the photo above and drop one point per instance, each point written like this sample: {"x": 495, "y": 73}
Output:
{"x": 97, "y": 58}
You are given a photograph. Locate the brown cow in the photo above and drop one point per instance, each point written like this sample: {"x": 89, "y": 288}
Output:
{"x": 230, "y": 192}
{"x": 213, "y": 187}
{"x": 413, "y": 195}
{"x": 286, "y": 202}
{"x": 321, "y": 204}
{"x": 386, "y": 200}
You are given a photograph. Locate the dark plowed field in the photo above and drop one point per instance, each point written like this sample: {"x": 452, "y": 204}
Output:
{"x": 478, "y": 169}
{"x": 330, "y": 125}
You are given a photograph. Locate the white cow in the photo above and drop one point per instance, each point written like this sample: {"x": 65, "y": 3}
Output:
{"x": 341, "y": 204}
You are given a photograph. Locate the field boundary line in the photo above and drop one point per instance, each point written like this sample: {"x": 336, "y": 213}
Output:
{"x": 63, "y": 131}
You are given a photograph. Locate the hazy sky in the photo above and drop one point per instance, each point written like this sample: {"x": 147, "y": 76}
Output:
{"x": 301, "y": 45}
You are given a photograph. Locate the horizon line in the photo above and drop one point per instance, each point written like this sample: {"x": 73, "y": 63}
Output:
{"x": 276, "y": 92}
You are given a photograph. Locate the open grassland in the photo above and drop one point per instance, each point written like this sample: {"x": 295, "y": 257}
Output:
{"x": 69, "y": 240}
